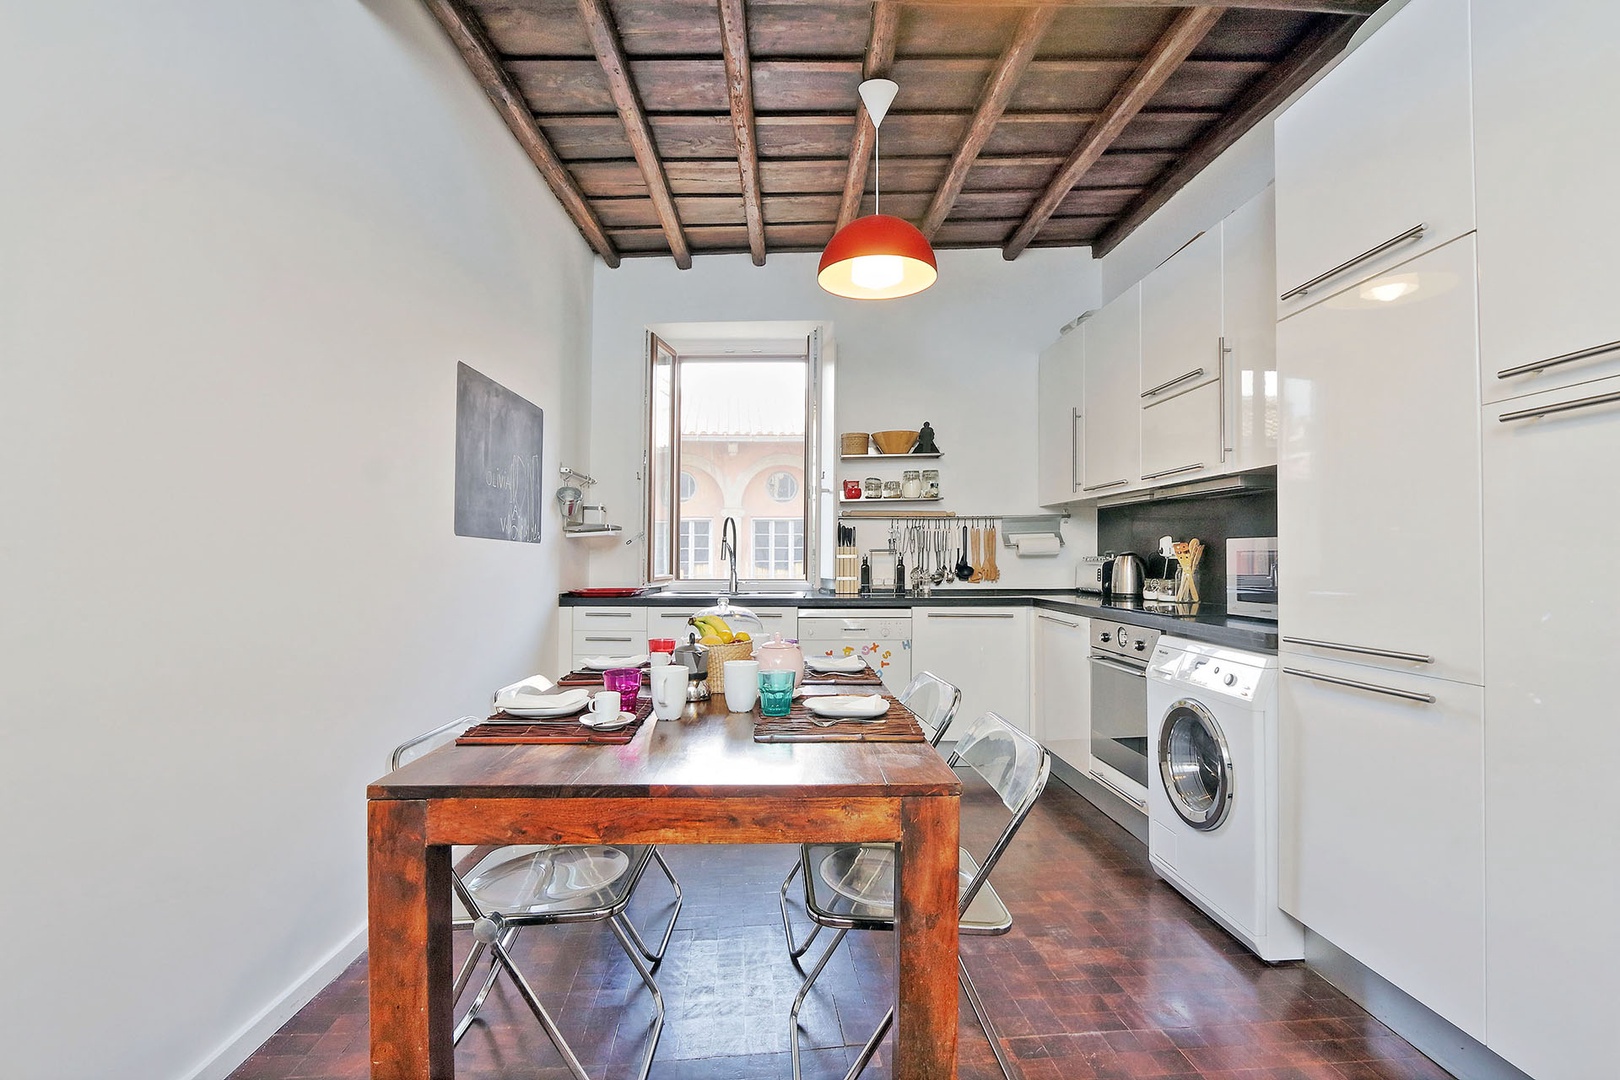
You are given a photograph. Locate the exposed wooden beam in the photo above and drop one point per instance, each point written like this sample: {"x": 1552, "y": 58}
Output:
{"x": 998, "y": 90}
{"x": 879, "y": 58}
{"x": 1326, "y": 39}
{"x": 1184, "y": 34}
{"x": 740, "y": 90}
{"x": 610, "y": 54}
{"x": 480, "y": 57}
{"x": 1326, "y": 7}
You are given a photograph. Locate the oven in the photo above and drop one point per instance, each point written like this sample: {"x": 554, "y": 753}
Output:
{"x": 1119, "y": 720}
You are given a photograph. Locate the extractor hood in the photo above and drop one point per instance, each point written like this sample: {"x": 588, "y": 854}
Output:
{"x": 1214, "y": 487}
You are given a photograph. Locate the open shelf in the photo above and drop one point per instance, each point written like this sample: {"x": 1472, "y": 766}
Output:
{"x": 887, "y": 457}
{"x": 886, "y": 502}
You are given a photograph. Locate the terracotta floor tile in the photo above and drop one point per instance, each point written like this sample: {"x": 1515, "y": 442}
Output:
{"x": 1107, "y": 974}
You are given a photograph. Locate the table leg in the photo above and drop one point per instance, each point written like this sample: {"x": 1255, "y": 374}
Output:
{"x": 925, "y": 940}
{"x": 408, "y": 897}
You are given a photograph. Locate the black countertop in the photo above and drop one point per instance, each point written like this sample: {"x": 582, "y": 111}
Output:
{"x": 1209, "y": 624}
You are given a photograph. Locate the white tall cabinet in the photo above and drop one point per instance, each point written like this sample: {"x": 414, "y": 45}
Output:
{"x": 1060, "y": 416}
{"x": 1111, "y": 439}
{"x": 982, "y": 650}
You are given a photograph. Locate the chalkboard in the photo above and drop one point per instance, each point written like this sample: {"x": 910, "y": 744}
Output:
{"x": 499, "y": 447}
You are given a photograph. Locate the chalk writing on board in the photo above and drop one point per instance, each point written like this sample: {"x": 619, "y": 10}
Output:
{"x": 500, "y": 439}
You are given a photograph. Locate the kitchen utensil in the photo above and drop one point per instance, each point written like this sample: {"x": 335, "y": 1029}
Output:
{"x": 964, "y": 569}
{"x": 1122, "y": 577}
{"x": 894, "y": 442}
{"x": 742, "y": 684}
{"x": 779, "y": 655}
{"x": 571, "y": 502}
{"x": 994, "y": 572}
{"x": 978, "y": 556}
{"x": 695, "y": 658}
{"x": 775, "y": 692}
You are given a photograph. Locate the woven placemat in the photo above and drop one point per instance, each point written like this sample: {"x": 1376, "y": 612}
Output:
{"x": 800, "y": 725}
{"x": 842, "y": 678}
{"x": 587, "y": 677}
{"x": 511, "y": 733}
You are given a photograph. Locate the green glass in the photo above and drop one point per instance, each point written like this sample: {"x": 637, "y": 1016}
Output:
{"x": 775, "y": 692}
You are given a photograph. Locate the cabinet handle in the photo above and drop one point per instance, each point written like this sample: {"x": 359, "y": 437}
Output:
{"x": 1172, "y": 472}
{"x": 1222, "y": 351}
{"x": 673, "y": 615}
{"x": 970, "y": 615}
{"x": 1133, "y": 800}
{"x": 1060, "y": 622}
{"x": 610, "y": 614}
{"x": 1562, "y": 407}
{"x": 1300, "y": 290}
{"x": 1360, "y": 650}
{"x": 1567, "y": 358}
{"x": 1372, "y": 688}
{"x": 609, "y": 637}
{"x": 1125, "y": 669}
{"x": 1104, "y": 487}
{"x": 1074, "y": 449}
{"x": 1177, "y": 381}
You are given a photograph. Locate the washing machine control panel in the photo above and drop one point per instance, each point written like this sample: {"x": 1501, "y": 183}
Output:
{"x": 1235, "y": 680}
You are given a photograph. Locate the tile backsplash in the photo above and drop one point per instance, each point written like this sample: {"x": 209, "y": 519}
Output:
{"x": 1138, "y": 527}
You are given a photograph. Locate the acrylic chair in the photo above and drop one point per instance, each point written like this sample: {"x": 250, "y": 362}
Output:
{"x": 851, "y": 886}
{"x": 541, "y": 885}
{"x": 934, "y": 702}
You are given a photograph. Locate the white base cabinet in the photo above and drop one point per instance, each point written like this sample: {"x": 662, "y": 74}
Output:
{"x": 983, "y": 651}
{"x": 1552, "y": 740}
{"x": 1382, "y": 834}
{"x": 1061, "y": 719}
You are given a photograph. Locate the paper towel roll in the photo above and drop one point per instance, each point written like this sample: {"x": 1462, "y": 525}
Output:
{"x": 1037, "y": 544}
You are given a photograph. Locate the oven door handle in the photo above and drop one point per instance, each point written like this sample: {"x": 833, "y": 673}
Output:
{"x": 1140, "y": 673}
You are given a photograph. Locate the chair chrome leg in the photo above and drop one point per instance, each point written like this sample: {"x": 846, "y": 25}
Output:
{"x": 540, "y": 1013}
{"x": 984, "y": 1018}
{"x": 864, "y": 1058}
{"x": 509, "y": 934}
{"x": 631, "y": 950}
{"x": 657, "y": 955}
{"x": 798, "y": 1002}
{"x": 795, "y": 950}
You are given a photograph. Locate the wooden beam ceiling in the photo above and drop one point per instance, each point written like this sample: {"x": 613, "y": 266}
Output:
{"x": 1322, "y": 43}
{"x": 483, "y": 61}
{"x": 997, "y": 92}
{"x": 1321, "y": 7}
{"x": 740, "y": 95}
{"x": 879, "y": 59}
{"x": 610, "y": 54}
{"x": 1186, "y": 30}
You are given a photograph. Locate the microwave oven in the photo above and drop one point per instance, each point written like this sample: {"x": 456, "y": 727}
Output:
{"x": 1251, "y": 576}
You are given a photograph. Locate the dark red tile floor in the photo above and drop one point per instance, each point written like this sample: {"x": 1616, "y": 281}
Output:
{"x": 1108, "y": 973}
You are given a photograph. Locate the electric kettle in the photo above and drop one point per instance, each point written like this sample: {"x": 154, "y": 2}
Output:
{"x": 1122, "y": 577}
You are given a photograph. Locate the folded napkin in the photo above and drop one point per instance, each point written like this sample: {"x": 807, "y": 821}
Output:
{"x": 846, "y": 664}
{"x": 532, "y": 687}
{"x": 603, "y": 663}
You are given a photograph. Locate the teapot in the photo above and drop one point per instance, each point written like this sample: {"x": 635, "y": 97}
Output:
{"x": 779, "y": 655}
{"x": 694, "y": 657}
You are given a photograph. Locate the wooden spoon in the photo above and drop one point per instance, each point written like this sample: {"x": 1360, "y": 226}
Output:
{"x": 994, "y": 572}
{"x": 978, "y": 555}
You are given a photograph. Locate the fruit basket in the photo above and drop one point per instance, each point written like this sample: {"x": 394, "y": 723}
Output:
{"x": 718, "y": 655}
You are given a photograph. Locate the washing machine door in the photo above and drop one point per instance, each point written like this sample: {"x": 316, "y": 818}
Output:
{"x": 1195, "y": 765}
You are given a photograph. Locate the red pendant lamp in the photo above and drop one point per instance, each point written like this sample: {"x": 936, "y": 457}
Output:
{"x": 877, "y": 257}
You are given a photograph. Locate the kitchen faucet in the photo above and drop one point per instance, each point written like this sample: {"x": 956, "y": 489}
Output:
{"x": 728, "y": 548}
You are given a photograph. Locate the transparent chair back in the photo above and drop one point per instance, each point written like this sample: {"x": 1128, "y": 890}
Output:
{"x": 429, "y": 741}
{"x": 935, "y": 702}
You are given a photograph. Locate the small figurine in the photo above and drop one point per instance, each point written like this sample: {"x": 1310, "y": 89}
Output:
{"x": 925, "y": 440}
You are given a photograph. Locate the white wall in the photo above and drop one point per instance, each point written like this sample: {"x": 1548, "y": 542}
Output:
{"x": 244, "y": 247}
{"x": 961, "y": 355}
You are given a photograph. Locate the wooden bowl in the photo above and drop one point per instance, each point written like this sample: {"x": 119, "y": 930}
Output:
{"x": 894, "y": 442}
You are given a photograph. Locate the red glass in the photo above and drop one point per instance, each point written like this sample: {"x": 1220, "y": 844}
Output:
{"x": 661, "y": 644}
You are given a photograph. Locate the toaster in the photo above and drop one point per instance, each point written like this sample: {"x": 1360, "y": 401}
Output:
{"x": 1088, "y": 574}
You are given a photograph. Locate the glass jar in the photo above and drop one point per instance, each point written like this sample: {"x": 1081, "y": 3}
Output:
{"x": 911, "y": 484}
{"x": 930, "y": 483}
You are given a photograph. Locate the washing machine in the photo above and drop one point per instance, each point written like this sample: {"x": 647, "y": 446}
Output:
{"x": 1212, "y": 788}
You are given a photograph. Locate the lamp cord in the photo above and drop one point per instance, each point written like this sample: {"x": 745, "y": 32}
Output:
{"x": 877, "y": 169}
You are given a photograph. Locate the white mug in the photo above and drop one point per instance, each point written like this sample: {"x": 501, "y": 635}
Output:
{"x": 669, "y": 690}
{"x": 742, "y": 684}
{"x": 659, "y": 659}
{"x": 605, "y": 705}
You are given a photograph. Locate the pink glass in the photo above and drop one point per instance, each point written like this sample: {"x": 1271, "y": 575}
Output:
{"x": 627, "y": 681}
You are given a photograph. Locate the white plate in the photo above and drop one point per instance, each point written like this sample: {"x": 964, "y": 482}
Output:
{"x": 848, "y": 665}
{"x": 848, "y": 706}
{"x": 589, "y": 720}
{"x": 603, "y": 663}
{"x": 540, "y": 706}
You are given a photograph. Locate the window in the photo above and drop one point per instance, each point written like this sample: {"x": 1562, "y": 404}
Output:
{"x": 731, "y": 436}
{"x": 778, "y": 547}
{"x": 696, "y": 545}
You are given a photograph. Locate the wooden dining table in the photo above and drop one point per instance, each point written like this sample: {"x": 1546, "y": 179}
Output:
{"x": 699, "y": 779}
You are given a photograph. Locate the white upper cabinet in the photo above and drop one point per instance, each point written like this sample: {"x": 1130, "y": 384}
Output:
{"x": 1546, "y": 83}
{"x": 1181, "y": 436}
{"x": 1181, "y": 320}
{"x": 1381, "y": 146}
{"x": 1059, "y": 415}
{"x": 1110, "y": 439}
{"x": 1249, "y": 317}
{"x": 1552, "y": 858}
{"x": 1378, "y": 500}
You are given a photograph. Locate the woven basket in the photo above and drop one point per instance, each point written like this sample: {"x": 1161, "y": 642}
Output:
{"x": 718, "y": 655}
{"x": 853, "y": 442}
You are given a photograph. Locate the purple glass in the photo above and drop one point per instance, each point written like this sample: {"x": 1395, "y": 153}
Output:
{"x": 627, "y": 681}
